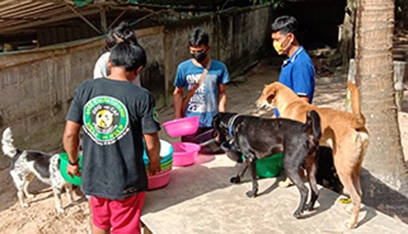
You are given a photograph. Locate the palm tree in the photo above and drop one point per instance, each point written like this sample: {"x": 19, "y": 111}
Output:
{"x": 386, "y": 180}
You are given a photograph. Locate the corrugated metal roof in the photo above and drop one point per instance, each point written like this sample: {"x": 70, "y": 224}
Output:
{"x": 17, "y": 15}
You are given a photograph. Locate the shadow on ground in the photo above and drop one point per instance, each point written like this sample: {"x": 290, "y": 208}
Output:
{"x": 384, "y": 198}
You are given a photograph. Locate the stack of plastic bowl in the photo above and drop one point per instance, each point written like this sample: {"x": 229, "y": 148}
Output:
{"x": 185, "y": 153}
{"x": 161, "y": 178}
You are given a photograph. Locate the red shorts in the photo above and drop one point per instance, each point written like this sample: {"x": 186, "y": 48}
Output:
{"x": 122, "y": 216}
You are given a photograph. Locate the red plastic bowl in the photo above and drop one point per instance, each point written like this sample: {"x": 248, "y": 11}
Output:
{"x": 184, "y": 153}
{"x": 159, "y": 180}
{"x": 182, "y": 127}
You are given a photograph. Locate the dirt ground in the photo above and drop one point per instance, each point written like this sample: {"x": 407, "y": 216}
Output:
{"x": 41, "y": 217}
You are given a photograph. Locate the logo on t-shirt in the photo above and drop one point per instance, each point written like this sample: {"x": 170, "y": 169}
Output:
{"x": 106, "y": 119}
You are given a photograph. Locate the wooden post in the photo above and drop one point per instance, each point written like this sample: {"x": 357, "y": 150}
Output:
{"x": 400, "y": 72}
{"x": 166, "y": 62}
{"x": 350, "y": 77}
{"x": 104, "y": 25}
{"x": 400, "y": 75}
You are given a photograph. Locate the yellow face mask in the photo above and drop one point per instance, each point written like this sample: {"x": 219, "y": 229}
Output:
{"x": 278, "y": 46}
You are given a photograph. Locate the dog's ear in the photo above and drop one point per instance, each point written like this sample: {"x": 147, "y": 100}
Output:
{"x": 270, "y": 93}
{"x": 216, "y": 134}
{"x": 215, "y": 121}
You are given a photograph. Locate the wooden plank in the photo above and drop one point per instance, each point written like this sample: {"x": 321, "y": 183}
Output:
{"x": 9, "y": 23}
{"x": 57, "y": 11}
{"x": 36, "y": 15}
{"x": 104, "y": 24}
{"x": 18, "y": 8}
{"x": 149, "y": 31}
{"x": 33, "y": 10}
{"x": 12, "y": 6}
{"x": 17, "y": 58}
{"x": 6, "y": 2}
{"x": 40, "y": 16}
{"x": 40, "y": 13}
{"x": 400, "y": 71}
{"x": 42, "y": 22}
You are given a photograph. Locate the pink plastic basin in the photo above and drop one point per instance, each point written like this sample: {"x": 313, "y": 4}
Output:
{"x": 159, "y": 180}
{"x": 182, "y": 127}
{"x": 184, "y": 153}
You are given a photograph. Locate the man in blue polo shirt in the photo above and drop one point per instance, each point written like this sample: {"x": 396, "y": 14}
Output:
{"x": 297, "y": 71}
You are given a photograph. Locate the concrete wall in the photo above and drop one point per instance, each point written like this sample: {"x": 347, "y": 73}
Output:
{"x": 36, "y": 87}
{"x": 237, "y": 38}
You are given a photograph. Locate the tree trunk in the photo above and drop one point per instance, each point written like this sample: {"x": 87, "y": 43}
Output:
{"x": 346, "y": 32}
{"x": 385, "y": 179}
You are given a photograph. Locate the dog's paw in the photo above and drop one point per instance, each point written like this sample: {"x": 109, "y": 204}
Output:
{"x": 251, "y": 193}
{"x": 285, "y": 183}
{"x": 297, "y": 214}
{"x": 24, "y": 205}
{"x": 351, "y": 225}
{"x": 309, "y": 207}
{"x": 29, "y": 195}
{"x": 60, "y": 210}
{"x": 235, "y": 180}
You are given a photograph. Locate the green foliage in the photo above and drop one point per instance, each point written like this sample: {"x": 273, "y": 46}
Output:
{"x": 274, "y": 3}
{"x": 81, "y": 3}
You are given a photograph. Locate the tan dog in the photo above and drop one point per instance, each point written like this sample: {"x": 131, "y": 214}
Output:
{"x": 344, "y": 132}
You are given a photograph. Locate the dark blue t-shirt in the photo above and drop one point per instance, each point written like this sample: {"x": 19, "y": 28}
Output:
{"x": 204, "y": 102}
{"x": 114, "y": 116}
{"x": 298, "y": 74}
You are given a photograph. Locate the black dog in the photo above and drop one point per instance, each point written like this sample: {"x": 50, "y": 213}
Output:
{"x": 259, "y": 137}
{"x": 326, "y": 173}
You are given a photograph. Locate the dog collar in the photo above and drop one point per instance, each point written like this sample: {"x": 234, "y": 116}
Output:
{"x": 230, "y": 123}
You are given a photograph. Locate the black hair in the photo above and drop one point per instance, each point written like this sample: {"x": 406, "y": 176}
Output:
{"x": 124, "y": 32}
{"x": 128, "y": 55}
{"x": 198, "y": 37}
{"x": 286, "y": 24}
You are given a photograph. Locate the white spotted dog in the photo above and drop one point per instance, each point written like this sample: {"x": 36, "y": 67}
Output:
{"x": 28, "y": 163}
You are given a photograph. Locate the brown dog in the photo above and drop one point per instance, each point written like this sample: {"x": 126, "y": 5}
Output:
{"x": 344, "y": 132}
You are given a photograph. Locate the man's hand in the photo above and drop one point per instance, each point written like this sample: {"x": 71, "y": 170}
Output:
{"x": 154, "y": 165}
{"x": 153, "y": 151}
{"x": 73, "y": 170}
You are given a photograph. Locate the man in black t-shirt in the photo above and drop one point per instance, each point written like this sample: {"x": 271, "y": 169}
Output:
{"x": 116, "y": 116}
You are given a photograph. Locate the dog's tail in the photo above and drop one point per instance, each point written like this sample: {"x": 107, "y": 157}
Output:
{"x": 355, "y": 104}
{"x": 7, "y": 143}
{"x": 313, "y": 127}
